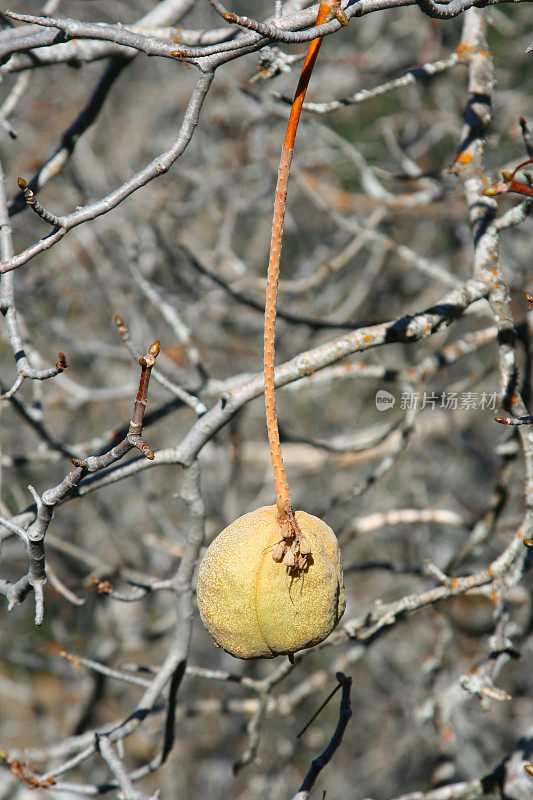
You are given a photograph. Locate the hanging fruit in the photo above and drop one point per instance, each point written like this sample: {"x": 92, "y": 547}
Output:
{"x": 271, "y": 582}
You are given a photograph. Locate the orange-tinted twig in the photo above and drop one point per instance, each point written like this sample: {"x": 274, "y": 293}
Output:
{"x": 509, "y": 184}
{"x": 280, "y": 478}
{"x": 25, "y": 773}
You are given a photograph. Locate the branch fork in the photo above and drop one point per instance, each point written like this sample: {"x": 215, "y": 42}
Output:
{"x": 45, "y": 504}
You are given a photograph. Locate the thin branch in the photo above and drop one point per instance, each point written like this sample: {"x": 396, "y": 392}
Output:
{"x": 173, "y": 668}
{"x": 405, "y": 516}
{"x": 34, "y": 204}
{"x": 366, "y": 628}
{"x": 158, "y": 166}
{"x": 345, "y": 713}
{"x": 128, "y": 790}
{"x": 428, "y": 70}
{"x": 282, "y": 313}
{"x": 207, "y": 58}
{"x": 189, "y": 399}
{"x": 45, "y": 504}
{"x": 70, "y": 137}
{"x": 171, "y": 316}
{"x": 408, "y": 329}
{"x": 277, "y": 34}
{"x": 8, "y": 308}
{"x": 525, "y": 420}
{"x": 446, "y": 9}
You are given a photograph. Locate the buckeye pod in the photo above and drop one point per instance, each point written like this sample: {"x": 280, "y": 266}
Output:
{"x": 255, "y": 607}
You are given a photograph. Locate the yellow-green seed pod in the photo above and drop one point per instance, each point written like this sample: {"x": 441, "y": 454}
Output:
{"x": 251, "y": 605}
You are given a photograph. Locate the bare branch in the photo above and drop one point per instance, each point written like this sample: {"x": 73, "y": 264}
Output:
{"x": 157, "y": 167}
{"x": 45, "y": 504}
{"x": 319, "y": 763}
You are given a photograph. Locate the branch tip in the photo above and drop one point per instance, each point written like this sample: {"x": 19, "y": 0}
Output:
{"x": 22, "y": 183}
{"x": 155, "y": 348}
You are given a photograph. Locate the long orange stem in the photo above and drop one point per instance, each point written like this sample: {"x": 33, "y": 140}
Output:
{"x": 280, "y": 478}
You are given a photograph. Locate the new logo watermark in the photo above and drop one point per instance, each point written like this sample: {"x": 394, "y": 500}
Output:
{"x": 384, "y": 400}
{"x": 449, "y": 401}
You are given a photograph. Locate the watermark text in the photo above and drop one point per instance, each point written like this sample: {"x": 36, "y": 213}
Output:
{"x": 448, "y": 401}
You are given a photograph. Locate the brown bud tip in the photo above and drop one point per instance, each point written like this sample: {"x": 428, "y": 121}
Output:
{"x": 528, "y": 542}
{"x": 229, "y": 17}
{"x": 61, "y": 361}
{"x": 501, "y": 420}
{"x": 341, "y": 16}
{"x": 150, "y": 455}
{"x": 506, "y": 175}
{"x": 176, "y": 53}
{"x": 522, "y": 121}
{"x": 529, "y": 768}
{"x": 76, "y": 462}
{"x": 118, "y": 320}
{"x": 22, "y": 183}
{"x": 155, "y": 348}
{"x": 490, "y": 191}
{"x": 142, "y": 362}
{"x": 529, "y": 297}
